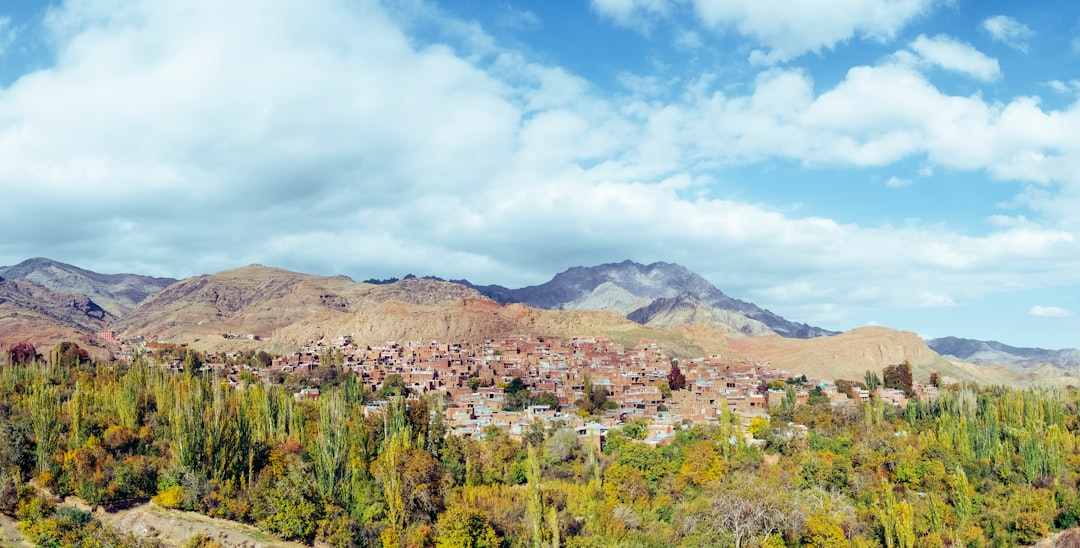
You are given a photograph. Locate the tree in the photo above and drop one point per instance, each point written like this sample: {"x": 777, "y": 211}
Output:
{"x": 69, "y": 355}
{"x": 514, "y": 386}
{"x": 676, "y": 379}
{"x": 745, "y": 509}
{"x": 821, "y": 531}
{"x": 465, "y": 527}
{"x": 872, "y": 380}
{"x": 394, "y": 385}
{"x": 701, "y": 464}
{"x": 22, "y": 353}
{"x": 44, "y": 404}
{"x": 899, "y": 377}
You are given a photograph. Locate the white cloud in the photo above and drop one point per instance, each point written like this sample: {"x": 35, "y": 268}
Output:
{"x": 328, "y": 140}
{"x": 897, "y": 182}
{"x": 514, "y": 18}
{"x": 637, "y": 14}
{"x": 935, "y": 300}
{"x": 8, "y": 33}
{"x": 1049, "y": 312}
{"x": 956, "y": 56}
{"x": 788, "y": 29}
{"x": 1009, "y": 31}
{"x": 688, "y": 40}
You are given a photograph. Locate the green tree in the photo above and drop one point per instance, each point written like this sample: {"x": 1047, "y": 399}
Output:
{"x": 44, "y": 405}
{"x": 394, "y": 385}
{"x": 465, "y": 527}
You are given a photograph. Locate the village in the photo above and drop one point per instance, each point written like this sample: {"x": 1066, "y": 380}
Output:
{"x": 480, "y": 383}
{"x": 476, "y": 383}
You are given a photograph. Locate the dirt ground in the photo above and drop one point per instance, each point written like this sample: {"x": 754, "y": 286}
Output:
{"x": 174, "y": 527}
{"x": 9, "y": 532}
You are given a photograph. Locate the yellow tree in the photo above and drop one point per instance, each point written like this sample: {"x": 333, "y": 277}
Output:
{"x": 701, "y": 464}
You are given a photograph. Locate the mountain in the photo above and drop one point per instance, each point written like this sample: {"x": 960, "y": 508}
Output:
{"x": 261, "y": 307}
{"x": 686, "y": 309}
{"x": 850, "y": 354}
{"x": 30, "y": 312}
{"x": 595, "y": 288}
{"x": 258, "y": 300}
{"x": 995, "y": 353}
{"x": 115, "y": 293}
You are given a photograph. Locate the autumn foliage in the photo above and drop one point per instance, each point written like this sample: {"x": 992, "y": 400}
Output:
{"x": 974, "y": 467}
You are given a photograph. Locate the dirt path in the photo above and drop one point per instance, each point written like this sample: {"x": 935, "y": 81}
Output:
{"x": 174, "y": 527}
{"x": 9, "y": 532}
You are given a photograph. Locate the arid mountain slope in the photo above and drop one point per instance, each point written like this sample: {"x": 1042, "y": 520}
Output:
{"x": 116, "y": 293}
{"x": 849, "y": 355}
{"x": 30, "y": 312}
{"x": 689, "y": 310}
{"x": 476, "y": 319}
{"x": 590, "y": 287}
{"x": 995, "y": 353}
{"x": 65, "y": 309}
{"x": 608, "y": 296}
{"x": 259, "y": 300}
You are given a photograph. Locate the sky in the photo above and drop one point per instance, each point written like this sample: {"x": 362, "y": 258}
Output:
{"x": 907, "y": 163}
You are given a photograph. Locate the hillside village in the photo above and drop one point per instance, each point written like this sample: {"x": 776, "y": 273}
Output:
{"x": 475, "y": 381}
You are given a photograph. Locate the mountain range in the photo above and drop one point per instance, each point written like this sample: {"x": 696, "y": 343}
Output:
{"x": 651, "y": 294}
{"x": 46, "y": 301}
{"x": 995, "y": 353}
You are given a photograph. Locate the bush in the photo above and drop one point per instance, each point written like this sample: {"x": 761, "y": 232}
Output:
{"x": 171, "y": 497}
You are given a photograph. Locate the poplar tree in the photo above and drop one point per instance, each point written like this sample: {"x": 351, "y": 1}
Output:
{"x": 44, "y": 404}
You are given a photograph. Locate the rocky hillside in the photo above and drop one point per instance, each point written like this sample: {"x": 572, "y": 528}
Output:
{"x": 29, "y": 312}
{"x": 619, "y": 286}
{"x": 626, "y": 302}
{"x": 258, "y": 300}
{"x": 115, "y": 293}
{"x": 995, "y": 353}
{"x": 850, "y": 354}
{"x": 686, "y": 309}
{"x": 479, "y": 319}
{"x": 65, "y": 309}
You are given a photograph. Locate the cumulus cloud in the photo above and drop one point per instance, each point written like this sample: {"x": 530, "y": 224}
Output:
{"x": 204, "y": 135}
{"x": 1009, "y": 31}
{"x": 787, "y": 30}
{"x": 897, "y": 182}
{"x": 1049, "y": 312}
{"x": 951, "y": 54}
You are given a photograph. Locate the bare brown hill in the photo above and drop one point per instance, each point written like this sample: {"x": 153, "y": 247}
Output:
{"x": 477, "y": 319}
{"x": 287, "y": 309}
{"x": 259, "y": 300}
{"x": 32, "y": 313}
{"x": 849, "y": 355}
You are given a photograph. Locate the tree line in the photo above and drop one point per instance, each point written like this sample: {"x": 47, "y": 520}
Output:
{"x": 978, "y": 466}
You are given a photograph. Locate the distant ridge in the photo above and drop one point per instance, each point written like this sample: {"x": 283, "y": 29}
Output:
{"x": 116, "y": 293}
{"x": 996, "y": 353}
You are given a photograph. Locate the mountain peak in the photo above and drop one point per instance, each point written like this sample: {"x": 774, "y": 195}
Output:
{"x": 582, "y": 287}
{"x": 116, "y": 293}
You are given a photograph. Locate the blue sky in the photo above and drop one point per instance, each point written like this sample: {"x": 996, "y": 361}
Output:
{"x": 911, "y": 163}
